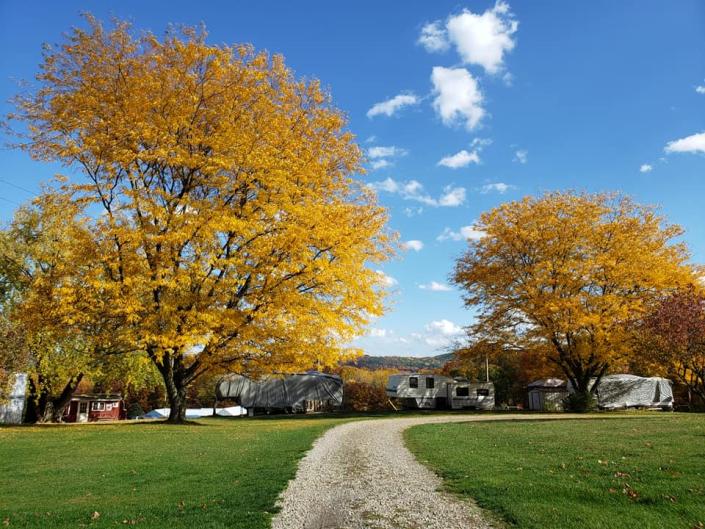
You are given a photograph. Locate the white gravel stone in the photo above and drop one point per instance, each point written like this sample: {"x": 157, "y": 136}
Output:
{"x": 360, "y": 475}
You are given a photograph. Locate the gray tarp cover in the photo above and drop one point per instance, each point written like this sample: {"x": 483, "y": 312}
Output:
{"x": 288, "y": 391}
{"x": 625, "y": 391}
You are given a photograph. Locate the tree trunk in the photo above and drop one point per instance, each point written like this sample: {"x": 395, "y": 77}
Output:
{"x": 37, "y": 403}
{"x": 60, "y": 402}
{"x": 174, "y": 382}
{"x": 583, "y": 398}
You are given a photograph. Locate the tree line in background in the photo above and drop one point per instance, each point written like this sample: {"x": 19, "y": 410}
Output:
{"x": 212, "y": 224}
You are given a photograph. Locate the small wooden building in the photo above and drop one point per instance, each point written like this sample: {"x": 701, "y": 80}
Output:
{"x": 92, "y": 408}
{"x": 547, "y": 394}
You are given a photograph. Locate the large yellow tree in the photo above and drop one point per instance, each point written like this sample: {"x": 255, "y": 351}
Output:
{"x": 569, "y": 275}
{"x": 229, "y": 230}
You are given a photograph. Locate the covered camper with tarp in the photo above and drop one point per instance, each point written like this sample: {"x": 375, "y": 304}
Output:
{"x": 631, "y": 391}
{"x": 296, "y": 393}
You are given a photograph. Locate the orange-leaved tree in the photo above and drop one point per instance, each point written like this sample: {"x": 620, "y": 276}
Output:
{"x": 231, "y": 233}
{"x": 568, "y": 274}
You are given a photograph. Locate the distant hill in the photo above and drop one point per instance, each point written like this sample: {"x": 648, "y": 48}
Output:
{"x": 402, "y": 363}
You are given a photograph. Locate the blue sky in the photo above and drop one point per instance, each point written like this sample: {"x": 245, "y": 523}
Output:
{"x": 460, "y": 106}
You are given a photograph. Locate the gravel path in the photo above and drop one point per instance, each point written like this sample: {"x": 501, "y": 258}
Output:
{"x": 360, "y": 475}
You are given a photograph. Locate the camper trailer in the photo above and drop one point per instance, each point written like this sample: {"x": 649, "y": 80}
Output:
{"x": 427, "y": 391}
{"x": 296, "y": 393}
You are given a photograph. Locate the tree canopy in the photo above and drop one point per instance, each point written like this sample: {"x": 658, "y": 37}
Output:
{"x": 569, "y": 274}
{"x": 226, "y": 228}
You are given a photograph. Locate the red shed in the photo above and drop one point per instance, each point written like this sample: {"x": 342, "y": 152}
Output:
{"x": 98, "y": 407}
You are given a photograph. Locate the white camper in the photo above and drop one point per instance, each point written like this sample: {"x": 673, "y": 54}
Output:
{"x": 427, "y": 391}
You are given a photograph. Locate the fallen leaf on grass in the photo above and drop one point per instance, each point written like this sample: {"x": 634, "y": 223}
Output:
{"x": 95, "y": 515}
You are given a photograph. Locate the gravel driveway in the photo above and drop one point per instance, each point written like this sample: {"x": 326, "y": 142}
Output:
{"x": 360, "y": 475}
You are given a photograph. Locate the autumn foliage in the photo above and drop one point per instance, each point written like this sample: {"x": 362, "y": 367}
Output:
{"x": 676, "y": 337}
{"x": 566, "y": 275}
{"x": 221, "y": 228}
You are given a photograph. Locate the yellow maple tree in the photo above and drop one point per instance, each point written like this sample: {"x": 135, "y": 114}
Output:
{"x": 229, "y": 230}
{"x": 567, "y": 275}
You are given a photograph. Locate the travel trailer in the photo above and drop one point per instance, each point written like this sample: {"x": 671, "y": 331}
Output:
{"x": 426, "y": 391}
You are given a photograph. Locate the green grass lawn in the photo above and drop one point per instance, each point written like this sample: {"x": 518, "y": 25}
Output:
{"x": 643, "y": 473}
{"x": 214, "y": 474}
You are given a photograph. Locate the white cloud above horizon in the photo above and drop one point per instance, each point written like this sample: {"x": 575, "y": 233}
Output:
{"x": 433, "y": 37}
{"x": 413, "y": 244}
{"x": 380, "y": 156}
{"x": 458, "y": 99}
{"x": 521, "y": 156}
{"x": 386, "y": 280}
{"x": 435, "y": 286}
{"x": 385, "y": 152}
{"x": 497, "y": 187}
{"x": 645, "y": 168}
{"x": 464, "y": 157}
{"x": 481, "y": 39}
{"x": 460, "y": 159}
{"x": 465, "y": 233}
{"x": 414, "y": 190}
{"x": 391, "y": 106}
{"x": 695, "y": 143}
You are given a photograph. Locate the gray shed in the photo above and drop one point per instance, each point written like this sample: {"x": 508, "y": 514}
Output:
{"x": 12, "y": 404}
{"x": 298, "y": 393}
{"x": 547, "y": 394}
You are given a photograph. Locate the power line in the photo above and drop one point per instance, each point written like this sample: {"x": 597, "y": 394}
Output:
{"x": 10, "y": 201}
{"x": 18, "y": 187}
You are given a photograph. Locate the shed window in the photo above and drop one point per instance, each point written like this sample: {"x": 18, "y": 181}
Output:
{"x": 483, "y": 392}
{"x": 430, "y": 381}
{"x": 414, "y": 382}
{"x": 462, "y": 391}
{"x": 98, "y": 406}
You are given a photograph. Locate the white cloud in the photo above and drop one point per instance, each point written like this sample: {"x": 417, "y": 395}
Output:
{"x": 415, "y": 245}
{"x": 385, "y": 152}
{"x": 458, "y": 96}
{"x": 435, "y": 286}
{"x": 521, "y": 156}
{"x": 378, "y": 333}
{"x": 414, "y": 190}
{"x": 371, "y": 139}
{"x": 693, "y": 144}
{"x": 483, "y": 39}
{"x": 645, "y": 168}
{"x": 464, "y": 157}
{"x": 460, "y": 159}
{"x": 411, "y": 212}
{"x": 380, "y": 155}
{"x": 390, "y": 106}
{"x": 433, "y": 37}
{"x": 385, "y": 279}
{"x": 452, "y": 197}
{"x": 700, "y": 89}
{"x": 498, "y": 187}
{"x": 444, "y": 327}
{"x": 440, "y": 333}
{"x": 381, "y": 164}
{"x": 465, "y": 233}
